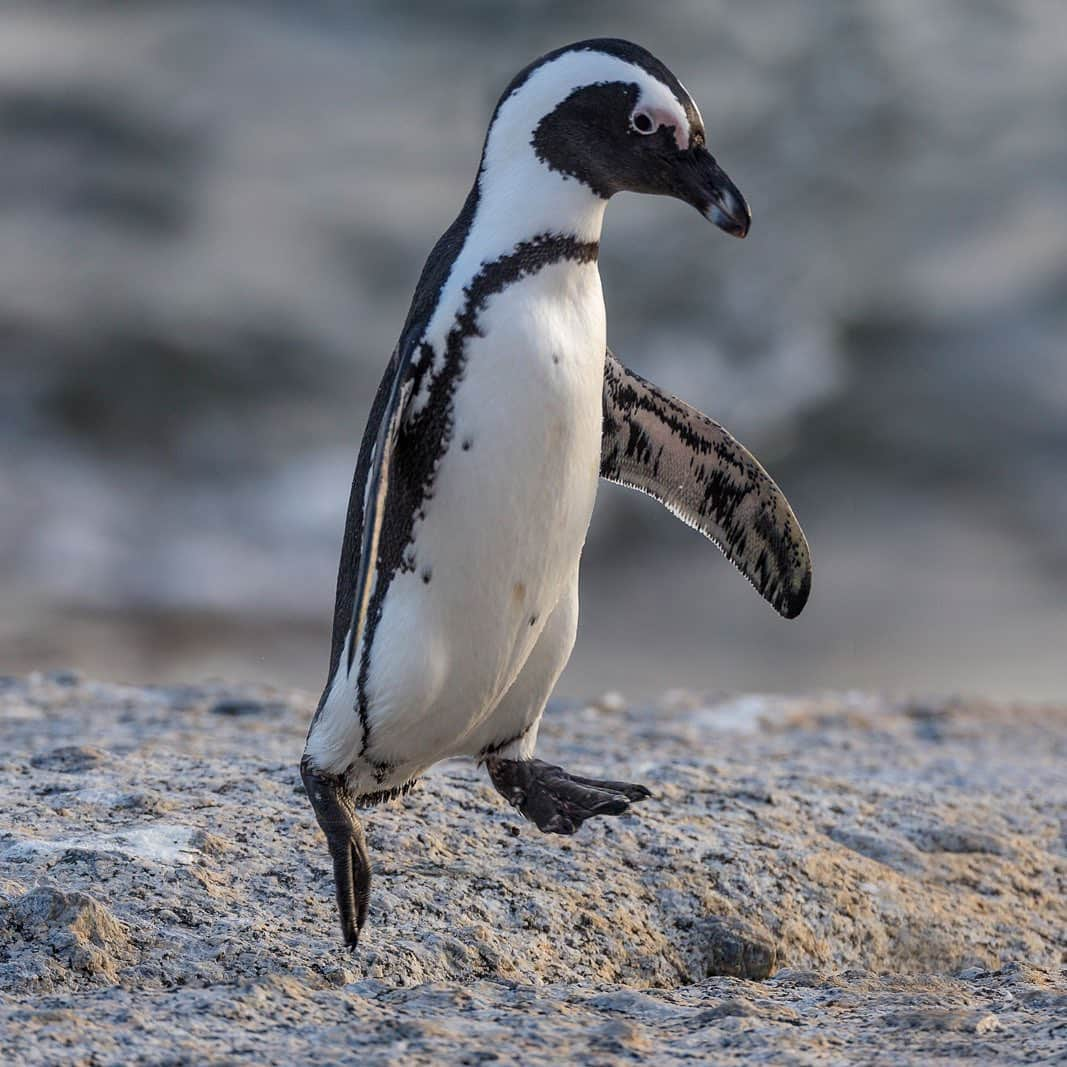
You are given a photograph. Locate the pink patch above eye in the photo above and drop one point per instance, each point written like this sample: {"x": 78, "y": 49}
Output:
{"x": 662, "y": 116}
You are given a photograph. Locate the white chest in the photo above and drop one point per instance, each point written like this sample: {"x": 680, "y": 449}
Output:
{"x": 529, "y": 404}
{"x": 515, "y": 491}
{"x": 511, "y": 504}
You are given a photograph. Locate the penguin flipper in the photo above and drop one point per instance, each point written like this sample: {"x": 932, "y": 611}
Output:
{"x": 656, "y": 443}
{"x": 328, "y": 793}
{"x": 377, "y": 487}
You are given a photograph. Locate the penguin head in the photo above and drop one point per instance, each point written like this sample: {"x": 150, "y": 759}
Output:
{"x": 607, "y": 114}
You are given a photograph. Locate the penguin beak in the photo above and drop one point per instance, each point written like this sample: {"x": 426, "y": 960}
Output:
{"x": 712, "y": 193}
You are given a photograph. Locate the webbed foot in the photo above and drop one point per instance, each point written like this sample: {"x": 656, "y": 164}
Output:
{"x": 556, "y": 801}
{"x": 336, "y": 815}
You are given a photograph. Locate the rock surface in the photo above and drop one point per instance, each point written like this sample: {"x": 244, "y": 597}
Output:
{"x": 894, "y": 873}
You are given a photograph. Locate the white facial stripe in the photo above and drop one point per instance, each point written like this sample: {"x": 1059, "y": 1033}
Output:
{"x": 552, "y": 83}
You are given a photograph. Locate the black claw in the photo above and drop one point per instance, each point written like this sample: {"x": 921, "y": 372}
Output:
{"x": 556, "y": 801}
{"x": 336, "y": 814}
{"x": 361, "y": 866}
{"x": 611, "y": 806}
{"x": 630, "y": 790}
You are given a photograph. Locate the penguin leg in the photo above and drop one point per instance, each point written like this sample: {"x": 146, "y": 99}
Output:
{"x": 336, "y": 814}
{"x": 556, "y": 801}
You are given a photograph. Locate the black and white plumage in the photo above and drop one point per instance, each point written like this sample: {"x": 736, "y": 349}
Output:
{"x": 499, "y": 410}
{"x": 660, "y": 445}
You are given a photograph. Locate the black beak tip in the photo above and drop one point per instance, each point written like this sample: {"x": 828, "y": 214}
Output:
{"x": 731, "y": 216}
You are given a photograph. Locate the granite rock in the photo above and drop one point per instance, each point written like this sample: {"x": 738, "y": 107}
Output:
{"x": 821, "y": 882}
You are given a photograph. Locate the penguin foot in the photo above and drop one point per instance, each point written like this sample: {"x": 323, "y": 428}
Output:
{"x": 336, "y": 814}
{"x": 556, "y": 801}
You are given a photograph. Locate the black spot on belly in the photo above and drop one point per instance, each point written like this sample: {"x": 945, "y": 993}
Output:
{"x": 466, "y": 446}
{"x": 427, "y": 574}
{"x": 533, "y": 620}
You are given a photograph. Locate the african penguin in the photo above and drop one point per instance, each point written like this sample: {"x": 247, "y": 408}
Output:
{"x": 500, "y": 409}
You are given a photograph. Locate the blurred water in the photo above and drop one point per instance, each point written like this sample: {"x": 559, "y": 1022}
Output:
{"x": 211, "y": 220}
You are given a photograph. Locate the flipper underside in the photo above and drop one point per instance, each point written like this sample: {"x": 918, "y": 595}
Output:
{"x": 661, "y": 446}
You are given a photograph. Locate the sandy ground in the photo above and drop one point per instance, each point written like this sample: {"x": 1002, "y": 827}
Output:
{"x": 821, "y": 880}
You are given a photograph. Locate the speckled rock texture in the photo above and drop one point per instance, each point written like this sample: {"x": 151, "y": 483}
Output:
{"x": 834, "y": 879}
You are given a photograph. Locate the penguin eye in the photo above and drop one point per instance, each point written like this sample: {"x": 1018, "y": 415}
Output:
{"x": 642, "y": 122}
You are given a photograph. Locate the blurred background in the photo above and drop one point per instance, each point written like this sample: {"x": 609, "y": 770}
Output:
{"x": 212, "y": 217}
